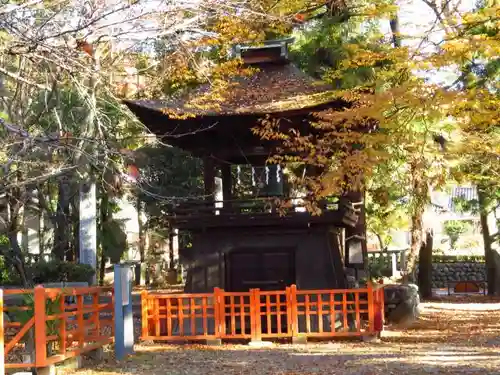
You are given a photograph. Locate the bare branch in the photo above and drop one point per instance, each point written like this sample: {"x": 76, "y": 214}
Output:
{"x": 22, "y": 79}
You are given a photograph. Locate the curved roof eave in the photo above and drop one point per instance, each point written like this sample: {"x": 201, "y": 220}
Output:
{"x": 282, "y": 107}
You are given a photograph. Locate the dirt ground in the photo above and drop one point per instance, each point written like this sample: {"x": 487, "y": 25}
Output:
{"x": 451, "y": 337}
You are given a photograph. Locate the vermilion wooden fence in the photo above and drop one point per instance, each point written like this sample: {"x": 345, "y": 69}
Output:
{"x": 262, "y": 314}
{"x": 55, "y": 324}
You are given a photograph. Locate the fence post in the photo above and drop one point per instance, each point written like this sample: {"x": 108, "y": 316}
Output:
{"x": 289, "y": 320}
{"x": 217, "y": 313}
{"x": 144, "y": 315}
{"x": 255, "y": 317}
{"x": 371, "y": 307}
{"x": 2, "y": 355}
{"x": 97, "y": 315}
{"x": 62, "y": 328}
{"x": 124, "y": 323}
{"x": 294, "y": 322}
{"x": 80, "y": 318}
{"x": 40, "y": 322}
{"x": 381, "y": 305}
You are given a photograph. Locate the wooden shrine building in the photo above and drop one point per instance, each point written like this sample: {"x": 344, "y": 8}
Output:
{"x": 240, "y": 240}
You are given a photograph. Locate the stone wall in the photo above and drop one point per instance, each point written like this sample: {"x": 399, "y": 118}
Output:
{"x": 445, "y": 268}
{"x": 444, "y": 272}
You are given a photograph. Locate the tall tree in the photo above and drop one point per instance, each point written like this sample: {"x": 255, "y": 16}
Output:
{"x": 63, "y": 121}
{"x": 473, "y": 46}
{"x": 391, "y": 118}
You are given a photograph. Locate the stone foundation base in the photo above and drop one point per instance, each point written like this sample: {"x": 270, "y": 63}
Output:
{"x": 214, "y": 342}
{"x": 96, "y": 355}
{"x": 299, "y": 340}
{"x": 371, "y": 338}
{"x": 260, "y": 344}
{"x": 70, "y": 364}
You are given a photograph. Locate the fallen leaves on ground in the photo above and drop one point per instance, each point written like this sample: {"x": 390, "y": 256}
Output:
{"x": 466, "y": 298}
{"x": 449, "y": 338}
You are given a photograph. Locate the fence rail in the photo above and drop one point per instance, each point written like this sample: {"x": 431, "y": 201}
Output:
{"x": 53, "y": 324}
{"x": 262, "y": 314}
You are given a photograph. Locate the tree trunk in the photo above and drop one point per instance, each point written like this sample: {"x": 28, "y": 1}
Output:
{"x": 102, "y": 269}
{"x": 425, "y": 266}
{"x": 17, "y": 260}
{"x": 380, "y": 242}
{"x": 61, "y": 235}
{"x": 104, "y": 216}
{"x": 415, "y": 244}
{"x": 75, "y": 248}
{"x": 395, "y": 31}
{"x": 419, "y": 197}
{"x": 488, "y": 250}
{"x": 142, "y": 246}
{"x": 41, "y": 227}
{"x": 74, "y": 251}
{"x": 147, "y": 238}
{"x": 15, "y": 203}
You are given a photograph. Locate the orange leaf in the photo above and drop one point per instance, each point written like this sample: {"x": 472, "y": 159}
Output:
{"x": 82, "y": 45}
{"x": 299, "y": 17}
{"x": 133, "y": 172}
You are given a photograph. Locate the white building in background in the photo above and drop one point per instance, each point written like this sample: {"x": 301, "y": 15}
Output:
{"x": 442, "y": 209}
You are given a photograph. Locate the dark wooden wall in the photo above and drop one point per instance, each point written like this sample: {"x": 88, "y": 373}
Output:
{"x": 316, "y": 257}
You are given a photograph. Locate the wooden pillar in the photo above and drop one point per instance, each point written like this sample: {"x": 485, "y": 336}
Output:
{"x": 227, "y": 185}
{"x": 227, "y": 182}
{"x": 209, "y": 177}
{"x": 356, "y": 249}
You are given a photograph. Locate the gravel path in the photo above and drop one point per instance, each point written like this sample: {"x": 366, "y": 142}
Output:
{"x": 443, "y": 341}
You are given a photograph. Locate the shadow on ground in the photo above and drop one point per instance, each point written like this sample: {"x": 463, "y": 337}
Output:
{"x": 317, "y": 359}
{"x": 444, "y": 341}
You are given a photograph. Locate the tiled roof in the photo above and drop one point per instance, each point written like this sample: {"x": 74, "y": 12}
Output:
{"x": 273, "y": 88}
{"x": 446, "y": 202}
{"x": 467, "y": 193}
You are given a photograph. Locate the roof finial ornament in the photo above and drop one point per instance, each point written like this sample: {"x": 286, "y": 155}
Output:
{"x": 272, "y": 51}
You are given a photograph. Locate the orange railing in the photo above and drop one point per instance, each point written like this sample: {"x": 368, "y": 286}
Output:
{"x": 49, "y": 325}
{"x": 262, "y": 314}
